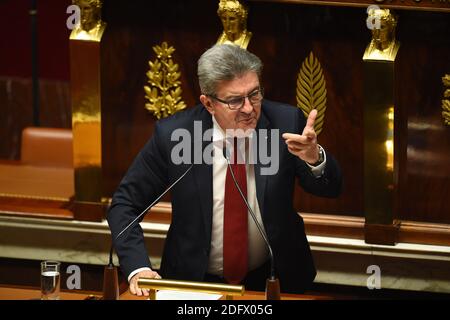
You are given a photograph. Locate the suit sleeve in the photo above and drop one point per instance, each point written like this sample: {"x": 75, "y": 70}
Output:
{"x": 145, "y": 180}
{"x": 327, "y": 185}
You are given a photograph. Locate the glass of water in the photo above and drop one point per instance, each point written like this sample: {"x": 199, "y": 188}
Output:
{"x": 50, "y": 280}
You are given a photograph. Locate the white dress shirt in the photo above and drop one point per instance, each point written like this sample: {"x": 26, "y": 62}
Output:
{"x": 257, "y": 249}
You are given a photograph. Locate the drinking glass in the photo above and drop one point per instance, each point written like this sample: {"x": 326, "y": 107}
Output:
{"x": 50, "y": 280}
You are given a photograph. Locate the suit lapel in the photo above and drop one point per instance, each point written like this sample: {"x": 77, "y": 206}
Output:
{"x": 261, "y": 180}
{"x": 203, "y": 177}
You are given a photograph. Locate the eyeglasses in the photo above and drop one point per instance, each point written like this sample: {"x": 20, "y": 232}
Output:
{"x": 237, "y": 103}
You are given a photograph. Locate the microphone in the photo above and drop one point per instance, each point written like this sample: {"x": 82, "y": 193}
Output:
{"x": 272, "y": 283}
{"x": 111, "y": 292}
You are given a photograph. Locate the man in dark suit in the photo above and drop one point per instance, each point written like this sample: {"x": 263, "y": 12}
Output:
{"x": 207, "y": 239}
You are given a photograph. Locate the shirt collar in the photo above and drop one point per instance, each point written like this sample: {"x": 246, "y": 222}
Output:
{"x": 218, "y": 132}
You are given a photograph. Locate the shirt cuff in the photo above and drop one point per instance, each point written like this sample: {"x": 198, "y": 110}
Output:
{"x": 317, "y": 171}
{"x": 137, "y": 271}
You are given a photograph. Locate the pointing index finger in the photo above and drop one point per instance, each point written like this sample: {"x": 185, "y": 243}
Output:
{"x": 311, "y": 119}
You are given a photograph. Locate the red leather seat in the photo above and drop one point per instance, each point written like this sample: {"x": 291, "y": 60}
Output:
{"x": 48, "y": 147}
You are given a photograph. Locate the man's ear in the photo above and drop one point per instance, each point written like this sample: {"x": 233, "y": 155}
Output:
{"x": 207, "y": 103}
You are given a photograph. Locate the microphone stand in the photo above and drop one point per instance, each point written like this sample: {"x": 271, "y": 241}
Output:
{"x": 110, "y": 275}
{"x": 110, "y": 280}
{"x": 272, "y": 283}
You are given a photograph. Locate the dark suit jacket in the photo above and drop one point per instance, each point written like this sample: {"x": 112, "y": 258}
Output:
{"x": 188, "y": 240}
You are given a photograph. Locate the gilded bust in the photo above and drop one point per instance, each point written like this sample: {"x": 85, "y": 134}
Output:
{"x": 233, "y": 15}
{"x": 383, "y": 45}
{"x": 91, "y": 26}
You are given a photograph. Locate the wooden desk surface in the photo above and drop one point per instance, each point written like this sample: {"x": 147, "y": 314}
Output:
{"x": 249, "y": 295}
{"x": 26, "y": 293}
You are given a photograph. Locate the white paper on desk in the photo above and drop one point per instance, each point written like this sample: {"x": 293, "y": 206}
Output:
{"x": 185, "y": 295}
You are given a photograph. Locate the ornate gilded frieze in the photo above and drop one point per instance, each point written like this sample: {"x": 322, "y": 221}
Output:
{"x": 163, "y": 94}
{"x": 312, "y": 90}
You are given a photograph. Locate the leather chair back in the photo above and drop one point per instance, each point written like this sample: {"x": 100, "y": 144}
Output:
{"x": 49, "y": 147}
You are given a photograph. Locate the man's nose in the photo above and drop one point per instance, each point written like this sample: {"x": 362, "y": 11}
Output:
{"x": 247, "y": 107}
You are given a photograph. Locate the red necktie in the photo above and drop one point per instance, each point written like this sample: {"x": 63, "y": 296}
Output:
{"x": 235, "y": 224}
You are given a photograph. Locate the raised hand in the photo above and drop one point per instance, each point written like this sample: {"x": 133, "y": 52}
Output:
{"x": 305, "y": 145}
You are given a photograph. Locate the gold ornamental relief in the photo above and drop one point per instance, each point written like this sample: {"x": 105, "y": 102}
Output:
{"x": 446, "y": 100}
{"x": 91, "y": 25}
{"x": 383, "y": 46}
{"x": 163, "y": 94}
{"x": 312, "y": 91}
{"x": 233, "y": 15}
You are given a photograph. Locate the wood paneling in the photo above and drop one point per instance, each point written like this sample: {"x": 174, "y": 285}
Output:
{"x": 328, "y": 225}
{"x": 127, "y": 47}
{"x": 17, "y": 114}
{"x": 425, "y": 173}
{"x": 425, "y": 233}
{"x": 39, "y": 208}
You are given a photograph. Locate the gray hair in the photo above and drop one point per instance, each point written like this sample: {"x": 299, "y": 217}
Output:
{"x": 225, "y": 62}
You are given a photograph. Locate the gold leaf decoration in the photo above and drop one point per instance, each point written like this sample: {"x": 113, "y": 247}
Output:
{"x": 446, "y": 102}
{"x": 312, "y": 91}
{"x": 164, "y": 92}
{"x": 446, "y": 111}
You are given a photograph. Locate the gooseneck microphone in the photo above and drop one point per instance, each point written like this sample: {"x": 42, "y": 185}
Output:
{"x": 272, "y": 284}
{"x": 111, "y": 293}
